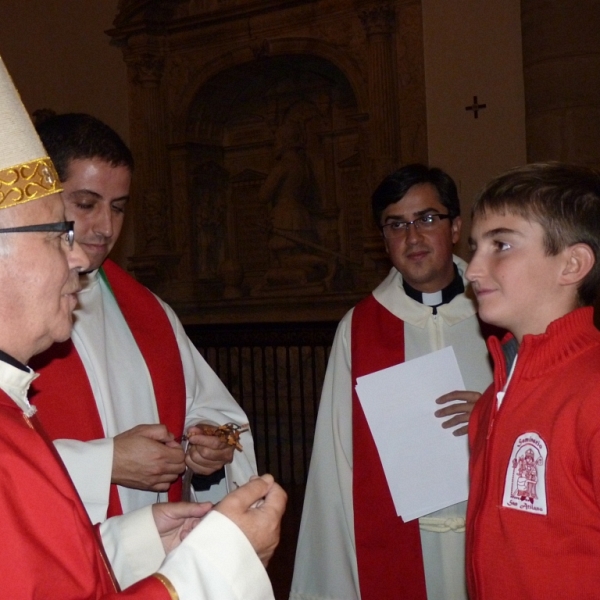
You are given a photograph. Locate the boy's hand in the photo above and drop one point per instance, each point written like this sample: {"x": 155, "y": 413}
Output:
{"x": 461, "y": 409}
{"x": 256, "y": 508}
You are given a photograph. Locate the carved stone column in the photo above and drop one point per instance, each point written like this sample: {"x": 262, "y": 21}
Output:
{"x": 378, "y": 23}
{"x": 153, "y": 258}
{"x": 148, "y": 69}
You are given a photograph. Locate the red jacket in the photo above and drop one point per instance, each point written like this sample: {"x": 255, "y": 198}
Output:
{"x": 533, "y": 518}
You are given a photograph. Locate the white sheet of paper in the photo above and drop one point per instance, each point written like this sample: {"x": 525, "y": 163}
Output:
{"x": 426, "y": 466}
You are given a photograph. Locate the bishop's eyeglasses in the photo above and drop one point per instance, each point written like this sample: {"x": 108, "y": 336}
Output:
{"x": 397, "y": 229}
{"x": 66, "y": 227}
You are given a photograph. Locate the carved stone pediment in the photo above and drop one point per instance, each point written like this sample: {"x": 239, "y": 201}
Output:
{"x": 151, "y": 14}
{"x": 155, "y": 15}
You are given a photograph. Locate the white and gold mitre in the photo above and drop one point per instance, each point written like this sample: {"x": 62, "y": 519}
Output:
{"x": 26, "y": 172}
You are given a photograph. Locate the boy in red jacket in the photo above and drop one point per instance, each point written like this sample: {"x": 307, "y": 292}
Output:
{"x": 533, "y": 519}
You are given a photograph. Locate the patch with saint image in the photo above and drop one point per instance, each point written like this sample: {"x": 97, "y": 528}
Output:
{"x": 525, "y": 484}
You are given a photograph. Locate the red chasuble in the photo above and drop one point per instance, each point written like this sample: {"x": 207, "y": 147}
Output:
{"x": 388, "y": 551}
{"x": 48, "y": 547}
{"x": 63, "y": 395}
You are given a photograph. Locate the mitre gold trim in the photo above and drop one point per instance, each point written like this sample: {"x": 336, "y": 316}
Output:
{"x": 28, "y": 181}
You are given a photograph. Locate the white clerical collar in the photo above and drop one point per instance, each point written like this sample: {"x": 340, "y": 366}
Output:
{"x": 15, "y": 382}
{"x": 434, "y": 299}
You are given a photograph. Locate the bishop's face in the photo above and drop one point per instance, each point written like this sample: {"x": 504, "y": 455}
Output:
{"x": 423, "y": 256}
{"x": 38, "y": 281}
{"x": 95, "y": 195}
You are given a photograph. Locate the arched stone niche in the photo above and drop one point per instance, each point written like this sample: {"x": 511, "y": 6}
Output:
{"x": 258, "y": 155}
{"x": 277, "y": 171}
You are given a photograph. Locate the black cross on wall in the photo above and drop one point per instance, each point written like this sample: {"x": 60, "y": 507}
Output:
{"x": 476, "y": 107}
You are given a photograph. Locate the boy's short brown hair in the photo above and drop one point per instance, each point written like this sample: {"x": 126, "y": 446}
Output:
{"x": 563, "y": 198}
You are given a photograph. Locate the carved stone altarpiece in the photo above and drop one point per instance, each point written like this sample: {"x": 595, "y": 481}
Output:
{"x": 260, "y": 129}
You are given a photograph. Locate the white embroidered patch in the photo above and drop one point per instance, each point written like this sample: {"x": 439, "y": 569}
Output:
{"x": 525, "y": 484}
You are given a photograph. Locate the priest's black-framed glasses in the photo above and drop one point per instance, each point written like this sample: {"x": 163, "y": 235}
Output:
{"x": 396, "y": 228}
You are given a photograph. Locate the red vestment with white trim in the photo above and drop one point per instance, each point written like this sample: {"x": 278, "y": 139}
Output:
{"x": 388, "y": 551}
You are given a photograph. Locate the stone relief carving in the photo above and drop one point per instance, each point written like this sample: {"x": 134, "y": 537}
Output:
{"x": 280, "y": 125}
{"x": 292, "y": 194}
{"x": 279, "y": 116}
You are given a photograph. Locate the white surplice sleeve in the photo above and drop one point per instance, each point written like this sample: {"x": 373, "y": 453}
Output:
{"x": 325, "y": 565}
{"x": 132, "y": 545}
{"x": 92, "y": 484}
{"x": 207, "y": 399}
{"x": 214, "y": 562}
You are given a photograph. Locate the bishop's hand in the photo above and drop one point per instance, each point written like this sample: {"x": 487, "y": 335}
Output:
{"x": 256, "y": 508}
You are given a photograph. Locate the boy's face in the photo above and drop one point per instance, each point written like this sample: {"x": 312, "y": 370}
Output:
{"x": 516, "y": 283}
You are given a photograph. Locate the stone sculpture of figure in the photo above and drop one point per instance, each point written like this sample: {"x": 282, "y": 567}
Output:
{"x": 292, "y": 193}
